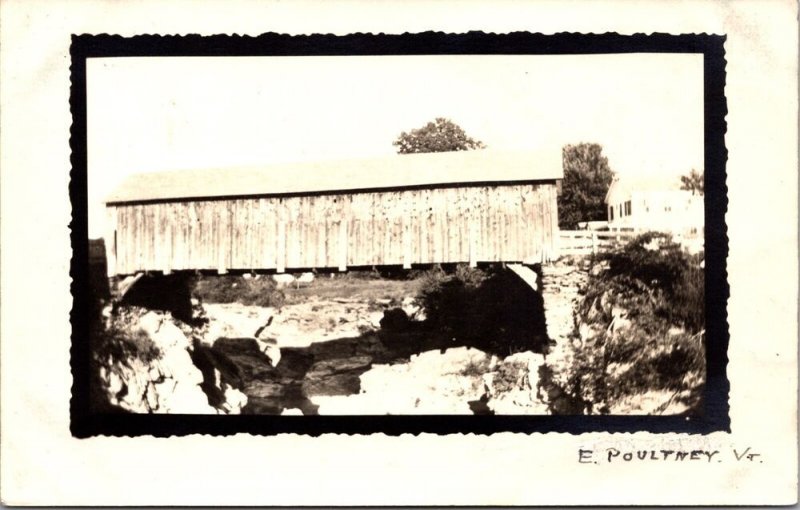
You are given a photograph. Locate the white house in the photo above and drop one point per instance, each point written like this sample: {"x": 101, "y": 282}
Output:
{"x": 642, "y": 203}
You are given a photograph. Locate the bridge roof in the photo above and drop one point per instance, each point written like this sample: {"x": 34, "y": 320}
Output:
{"x": 397, "y": 171}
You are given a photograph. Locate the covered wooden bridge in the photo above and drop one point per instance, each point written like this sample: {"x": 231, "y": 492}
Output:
{"x": 468, "y": 207}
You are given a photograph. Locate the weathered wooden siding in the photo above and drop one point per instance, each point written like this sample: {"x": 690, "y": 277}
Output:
{"x": 508, "y": 223}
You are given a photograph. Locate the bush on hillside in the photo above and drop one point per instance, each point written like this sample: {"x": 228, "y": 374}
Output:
{"x": 119, "y": 341}
{"x": 641, "y": 327}
{"x": 653, "y": 264}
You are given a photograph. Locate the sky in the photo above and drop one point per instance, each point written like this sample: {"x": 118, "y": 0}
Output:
{"x": 169, "y": 113}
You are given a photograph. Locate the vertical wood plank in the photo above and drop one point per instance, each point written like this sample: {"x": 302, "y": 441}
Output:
{"x": 452, "y": 225}
{"x": 465, "y": 197}
{"x": 539, "y": 225}
{"x": 554, "y": 231}
{"x": 236, "y": 220}
{"x": 527, "y": 217}
{"x": 281, "y": 238}
{"x": 544, "y": 193}
{"x": 121, "y": 240}
{"x": 110, "y": 239}
{"x": 191, "y": 243}
{"x": 219, "y": 258}
{"x": 132, "y": 236}
{"x": 177, "y": 252}
{"x": 321, "y": 210}
{"x": 436, "y": 230}
{"x": 130, "y": 248}
{"x": 141, "y": 238}
{"x": 134, "y": 247}
{"x": 182, "y": 224}
{"x": 518, "y": 227}
{"x": 210, "y": 239}
{"x": 405, "y": 230}
{"x": 305, "y": 232}
{"x": 145, "y": 237}
{"x": 249, "y": 235}
{"x": 473, "y": 241}
{"x": 343, "y": 244}
{"x": 326, "y": 232}
{"x": 203, "y": 243}
{"x": 266, "y": 232}
{"x": 491, "y": 224}
{"x": 216, "y": 227}
{"x": 292, "y": 215}
{"x": 546, "y": 224}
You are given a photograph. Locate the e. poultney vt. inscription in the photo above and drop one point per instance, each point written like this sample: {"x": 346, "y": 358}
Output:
{"x": 611, "y": 455}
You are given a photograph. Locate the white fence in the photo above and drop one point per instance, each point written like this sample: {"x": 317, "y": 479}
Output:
{"x": 581, "y": 242}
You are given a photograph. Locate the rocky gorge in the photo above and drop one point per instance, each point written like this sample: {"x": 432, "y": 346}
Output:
{"x": 302, "y": 368}
{"x": 403, "y": 347}
{"x": 323, "y": 355}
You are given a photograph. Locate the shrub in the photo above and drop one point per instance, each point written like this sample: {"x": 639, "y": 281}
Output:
{"x": 471, "y": 276}
{"x": 430, "y": 279}
{"x": 689, "y": 304}
{"x": 650, "y": 258}
{"x": 356, "y": 274}
{"x": 138, "y": 344}
{"x": 122, "y": 345}
{"x": 237, "y": 289}
{"x": 445, "y": 299}
{"x": 672, "y": 277}
{"x": 658, "y": 291}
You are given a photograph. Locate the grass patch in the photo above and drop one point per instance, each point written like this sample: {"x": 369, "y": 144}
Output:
{"x": 260, "y": 291}
{"x": 365, "y": 286}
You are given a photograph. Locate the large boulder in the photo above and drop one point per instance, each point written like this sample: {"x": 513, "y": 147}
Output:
{"x": 163, "y": 331}
{"x": 236, "y": 321}
{"x": 513, "y": 387}
{"x": 335, "y": 376}
{"x": 152, "y": 370}
{"x": 395, "y": 319}
{"x": 432, "y": 382}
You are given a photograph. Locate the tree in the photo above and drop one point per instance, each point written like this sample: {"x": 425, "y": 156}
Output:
{"x": 441, "y": 135}
{"x": 693, "y": 182}
{"x": 587, "y": 177}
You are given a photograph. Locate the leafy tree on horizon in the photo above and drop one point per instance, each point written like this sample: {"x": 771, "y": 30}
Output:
{"x": 440, "y": 135}
{"x": 587, "y": 178}
{"x": 693, "y": 182}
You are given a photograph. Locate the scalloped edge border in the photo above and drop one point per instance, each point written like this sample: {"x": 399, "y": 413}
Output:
{"x": 716, "y": 418}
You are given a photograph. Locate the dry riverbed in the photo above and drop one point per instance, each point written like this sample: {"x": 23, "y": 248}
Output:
{"x": 364, "y": 353}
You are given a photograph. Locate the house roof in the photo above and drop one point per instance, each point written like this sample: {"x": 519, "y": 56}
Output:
{"x": 396, "y": 171}
{"x": 629, "y": 183}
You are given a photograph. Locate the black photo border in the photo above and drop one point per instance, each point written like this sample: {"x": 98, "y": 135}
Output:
{"x": 84, "y": 423}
